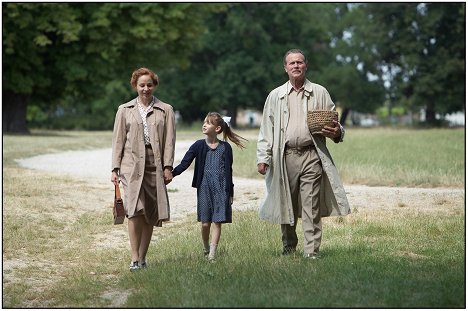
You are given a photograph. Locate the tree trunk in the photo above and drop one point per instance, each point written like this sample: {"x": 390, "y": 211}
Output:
{"x": 344, "y": 115}
{"x": 14, "y": 112}
{"x": 430, "y": 114}
{"x": 232, "y": 112}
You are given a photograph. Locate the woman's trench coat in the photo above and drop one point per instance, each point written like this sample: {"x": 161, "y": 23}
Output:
{"x": 128, "y": 152}
{"x": 277, "y": 205}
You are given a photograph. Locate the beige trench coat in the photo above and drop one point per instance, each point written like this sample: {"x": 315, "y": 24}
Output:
{"x": 128, "y": 151}
{"x": 277, "y": 205}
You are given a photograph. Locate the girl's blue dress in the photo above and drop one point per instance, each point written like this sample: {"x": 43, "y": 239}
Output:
{"x": 213, "y": 201}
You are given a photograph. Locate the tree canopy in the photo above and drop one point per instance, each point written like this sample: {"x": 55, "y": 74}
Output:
{"x": 71, "y": 62}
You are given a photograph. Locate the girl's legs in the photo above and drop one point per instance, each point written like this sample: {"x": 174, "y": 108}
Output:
{"x": 205, "y": 231}
{"x": 214, "y": 240}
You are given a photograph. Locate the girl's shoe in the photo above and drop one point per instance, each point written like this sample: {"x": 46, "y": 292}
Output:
{"x": 134, "y": 266}
{"x": 206, "y": 252}
{"x": 144, "y": 265}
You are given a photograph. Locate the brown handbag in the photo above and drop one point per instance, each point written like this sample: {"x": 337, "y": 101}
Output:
{"x": 119, "y": 211}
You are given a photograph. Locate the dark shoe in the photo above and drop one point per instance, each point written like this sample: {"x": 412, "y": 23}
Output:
{"x": 144, "y": 265}
{"x": 312, "y": 256}
{"x": 206, "y": 252}
{"x": 134, "y": 266}
{"x": 288, "y": 251}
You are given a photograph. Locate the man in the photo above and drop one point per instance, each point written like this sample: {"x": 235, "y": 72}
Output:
{"x": 301, "y": 178}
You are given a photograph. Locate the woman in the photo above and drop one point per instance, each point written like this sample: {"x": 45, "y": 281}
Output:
{"x": 143, "y": 144}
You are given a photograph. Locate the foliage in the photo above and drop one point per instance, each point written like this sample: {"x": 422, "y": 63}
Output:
{"x": 80, "y": 54}
{"x": 67, "y": 62}
{"x": 240, "y": 58}
{"x": 416, "y": 51}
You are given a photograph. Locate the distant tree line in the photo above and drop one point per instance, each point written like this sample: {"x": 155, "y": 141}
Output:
{"x": 67, "y": 65}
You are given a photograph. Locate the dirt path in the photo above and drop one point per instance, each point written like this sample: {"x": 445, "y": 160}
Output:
{"x": 95, "y": 164}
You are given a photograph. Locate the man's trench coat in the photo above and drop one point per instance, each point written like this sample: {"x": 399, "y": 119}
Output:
{"x": 128, "y": 152}
{"x": 277, "y": 205}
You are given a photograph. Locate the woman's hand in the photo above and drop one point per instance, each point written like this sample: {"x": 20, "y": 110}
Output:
{"x": 115, "y": 178}
{"x": 167, "y": 175}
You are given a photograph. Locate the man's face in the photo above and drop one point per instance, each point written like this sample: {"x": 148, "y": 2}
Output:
{"x": 295, "y": 66}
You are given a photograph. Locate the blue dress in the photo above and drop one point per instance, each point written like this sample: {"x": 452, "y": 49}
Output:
{"x": 213, "y": 201}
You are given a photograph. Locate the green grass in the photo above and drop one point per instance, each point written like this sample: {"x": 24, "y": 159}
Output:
{"x": 387, "y": 157}
{"x": 374, "y": 157}
{"x": 56, "y": 231}
{"x": 402, "y": 157}
{"x": 369, "y": 264}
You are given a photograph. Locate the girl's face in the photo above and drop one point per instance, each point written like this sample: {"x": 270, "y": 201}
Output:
{"x": 145, "y": 87}
{"x": 209, "y": 128}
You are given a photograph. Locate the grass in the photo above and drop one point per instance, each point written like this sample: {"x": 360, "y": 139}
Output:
{"x": 365, "y": 264}
{"x": 59, "y": 249}
{"x": 387, "y": 157}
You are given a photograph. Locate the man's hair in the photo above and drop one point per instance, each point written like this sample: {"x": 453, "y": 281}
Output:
{"x": 294, "y": 51}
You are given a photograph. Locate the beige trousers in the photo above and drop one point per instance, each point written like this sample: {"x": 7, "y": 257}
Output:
{"x": 304, "y": 174}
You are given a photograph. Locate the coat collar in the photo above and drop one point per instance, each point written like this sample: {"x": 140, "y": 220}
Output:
{"x": 284, "y": 89}
{"x": 133, "y": 104}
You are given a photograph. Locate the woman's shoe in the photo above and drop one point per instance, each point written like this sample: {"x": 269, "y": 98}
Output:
{"x": 134, "y": 266}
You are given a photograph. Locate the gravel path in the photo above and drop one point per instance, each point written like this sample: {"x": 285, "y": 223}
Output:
{"x": 248, "y": 192}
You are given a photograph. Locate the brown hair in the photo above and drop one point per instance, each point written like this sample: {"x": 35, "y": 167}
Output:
{"x": 216, "y": 119}
{"x": 141, "y": 72}
{"x": 294, "y": 51}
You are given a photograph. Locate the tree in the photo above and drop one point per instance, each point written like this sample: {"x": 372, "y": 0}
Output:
{"x": 416, "y": 50}
{"x": 240, "y": 58}
{"x": 79, "y": 55}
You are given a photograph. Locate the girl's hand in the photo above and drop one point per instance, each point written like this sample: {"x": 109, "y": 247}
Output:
{"x": 167, "y": 175}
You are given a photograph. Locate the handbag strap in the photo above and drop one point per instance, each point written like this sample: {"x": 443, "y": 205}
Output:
{"x": 117, "y": 192}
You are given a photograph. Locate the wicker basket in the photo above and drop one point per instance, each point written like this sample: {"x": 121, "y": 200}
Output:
{"x": 318, "y": 119}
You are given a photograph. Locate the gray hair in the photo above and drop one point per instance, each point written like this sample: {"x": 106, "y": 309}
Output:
{"x": 294, "y": 51}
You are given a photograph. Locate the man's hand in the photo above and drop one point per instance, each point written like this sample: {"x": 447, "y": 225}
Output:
{"x": 332, "y": 132}
{"x": 262, "y": 168}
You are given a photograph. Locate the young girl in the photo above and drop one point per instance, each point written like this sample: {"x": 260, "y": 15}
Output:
{"x": 212, "y": 177}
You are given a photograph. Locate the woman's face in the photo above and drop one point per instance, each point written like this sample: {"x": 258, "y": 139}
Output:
{"x": 145, "y": 87}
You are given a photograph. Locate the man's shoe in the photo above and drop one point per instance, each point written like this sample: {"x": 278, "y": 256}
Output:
{"x": 288, "y": 251}
{"x": 312, "y": 256}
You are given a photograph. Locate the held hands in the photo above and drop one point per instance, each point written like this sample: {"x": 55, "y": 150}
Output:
{"x": 332, "y": 132}
{"x": 167, "y": 175}
{"x": 262, "y": 168}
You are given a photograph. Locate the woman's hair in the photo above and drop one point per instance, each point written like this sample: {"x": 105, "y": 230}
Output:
{"x": 216, "y": 119}
{"x": 141, "y": 72}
